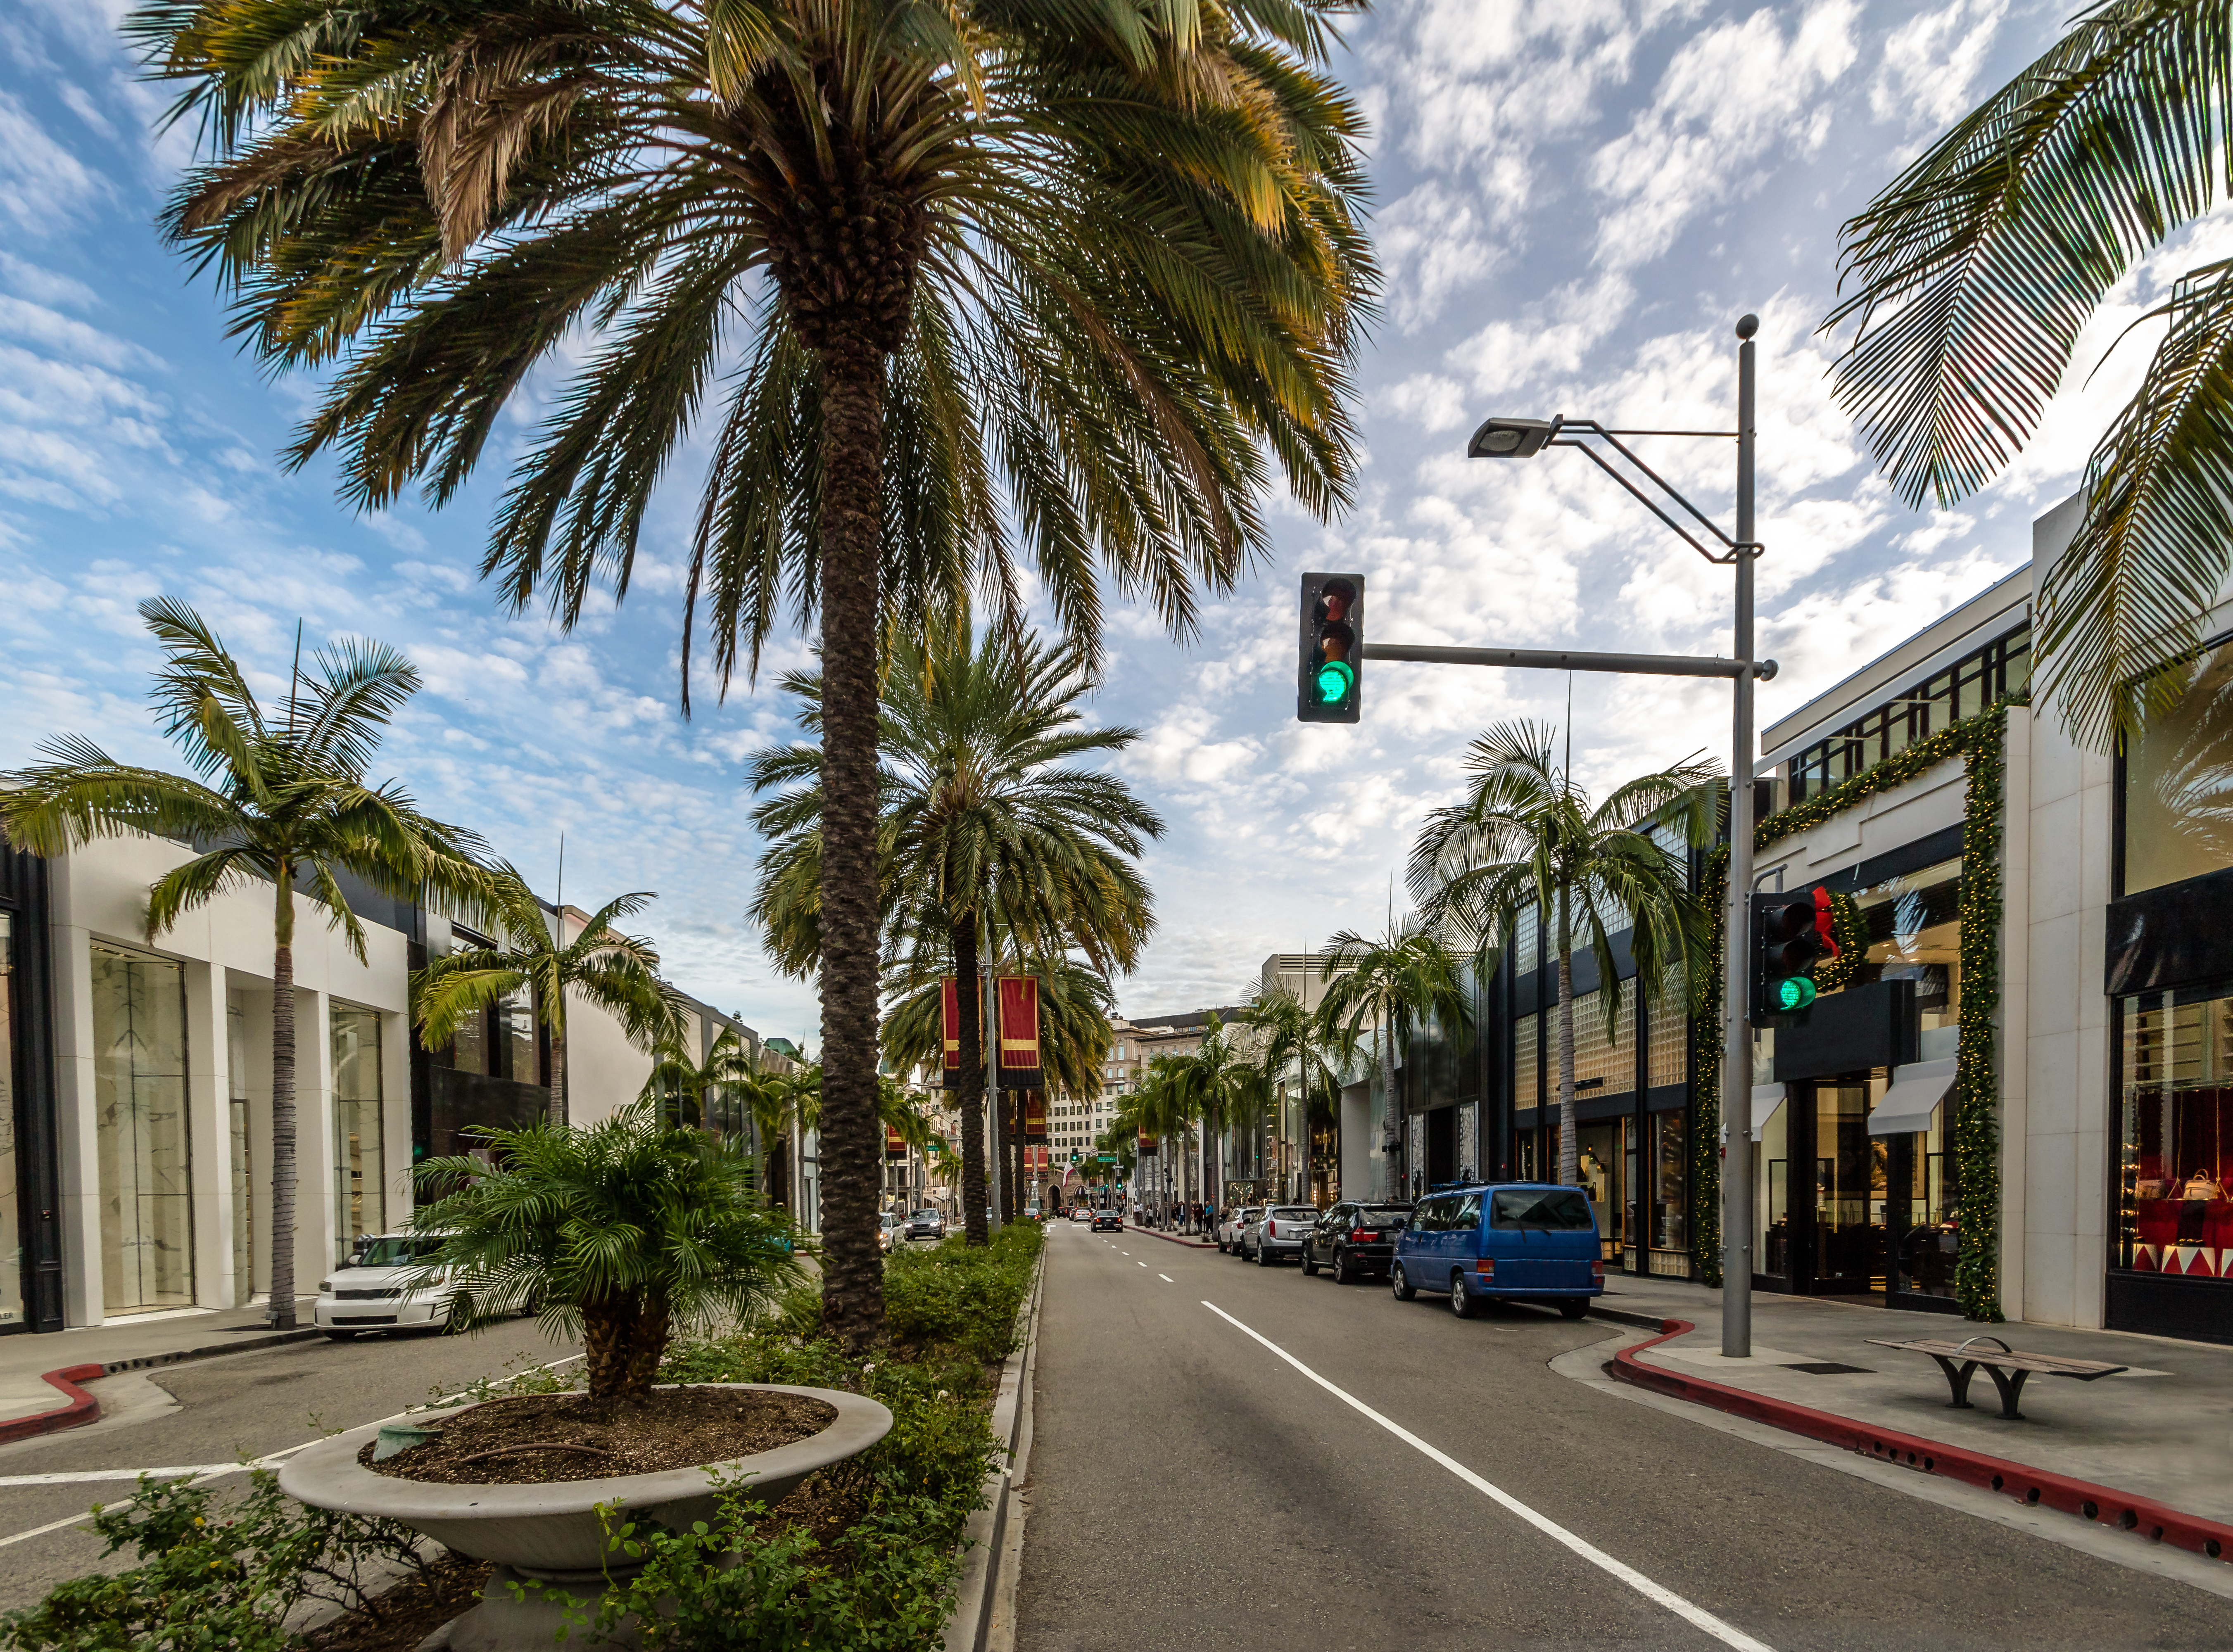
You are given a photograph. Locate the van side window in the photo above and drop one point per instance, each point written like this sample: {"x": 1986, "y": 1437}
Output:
{"x": 1468, "y": 1214}
{"x": 1554, "y": 1210}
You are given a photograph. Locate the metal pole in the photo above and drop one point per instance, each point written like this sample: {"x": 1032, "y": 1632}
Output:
{"x": 998, "y": 1187}
{"x": 1736, "y": 914}
{"x": 1642, "y": 665}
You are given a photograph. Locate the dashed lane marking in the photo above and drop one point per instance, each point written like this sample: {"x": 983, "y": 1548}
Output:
{"x": 1728, "y": 1634}
{"x": 1167, "y": 1278}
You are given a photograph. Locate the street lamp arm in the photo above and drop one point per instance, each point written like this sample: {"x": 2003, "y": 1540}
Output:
{"x": 1591, "y": 427}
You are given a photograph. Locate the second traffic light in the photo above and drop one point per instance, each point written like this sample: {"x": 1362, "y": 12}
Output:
{"x": 1790, "y": 937}
{"x": 1330, "y": 685}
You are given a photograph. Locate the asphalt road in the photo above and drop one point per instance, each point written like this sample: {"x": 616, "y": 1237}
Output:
{"x": 217, "y": 1411}
{"x": 1190, "y": 1488}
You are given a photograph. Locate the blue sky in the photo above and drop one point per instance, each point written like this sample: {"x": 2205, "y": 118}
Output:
{"x": 1575, "y": 200}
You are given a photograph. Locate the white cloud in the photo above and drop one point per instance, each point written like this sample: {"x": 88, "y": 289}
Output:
{"x": 1931, "y": 62}
{"x": 42, "y": 184}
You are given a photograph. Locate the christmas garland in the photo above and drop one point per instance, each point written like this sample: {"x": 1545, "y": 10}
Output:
{"x": 1982, "y": 743}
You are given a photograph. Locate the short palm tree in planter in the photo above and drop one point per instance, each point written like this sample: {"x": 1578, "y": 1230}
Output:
{"x": 621, "y": 1234}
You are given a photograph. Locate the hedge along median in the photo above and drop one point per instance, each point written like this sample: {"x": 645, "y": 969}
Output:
{"x": 864, "y": 1556}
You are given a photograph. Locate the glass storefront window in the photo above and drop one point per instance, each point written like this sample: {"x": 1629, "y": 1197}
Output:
{"x": 359, "y": 1205}
{"x": 2178, "y": 783}
{"x": 1771, "y": 1194}
{"x": 139, "y": 1100}
{"x": 1670, "y": 1161}
{"x": 1929, "y": 1242}
{"x": 11, "y": 1212}
{"x": 1604, "y": 1162}
{"x": 1527, "y": 1071}
{"x": 1848, "y": 1189}
{"x": 1668, "y": 1043}
{"x": 1915, "y": 934}
{"x": 2176, "y": 1134}
{"x": 1604, "y": 1065}
{"x": 515, "y": 1019}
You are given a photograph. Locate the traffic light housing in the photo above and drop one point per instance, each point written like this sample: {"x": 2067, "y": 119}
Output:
{"x": 1791, "y": 936}
{"x": 1330, "y": 685}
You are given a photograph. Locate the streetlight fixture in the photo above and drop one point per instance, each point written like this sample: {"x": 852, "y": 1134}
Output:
{"x": 1503, "y": 437}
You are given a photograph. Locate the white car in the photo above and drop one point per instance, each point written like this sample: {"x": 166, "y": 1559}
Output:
{"x": 1081, "y": 1213}
{"x": 891, "y": 1231}
{"x": 383, "y": 1288}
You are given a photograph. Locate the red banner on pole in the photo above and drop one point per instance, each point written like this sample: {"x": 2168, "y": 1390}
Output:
{"x": 896, "y": 1145}
{"x": 1019, "y": 1004}
{"x": 1035, "y": 1116}
{"x": 949, "y": 1075}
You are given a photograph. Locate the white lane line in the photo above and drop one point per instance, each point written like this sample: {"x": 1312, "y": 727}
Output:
{"x": 1167, "y": 1278}
{"x": 1139, "y": 1264}
{"x": 1727, "y": 1633}
{"x": 190, "y": 1471}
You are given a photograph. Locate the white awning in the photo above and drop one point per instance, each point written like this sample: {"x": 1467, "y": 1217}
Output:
{"x": 1917, "y": 1090}
{"x": 1765, "y": 1098}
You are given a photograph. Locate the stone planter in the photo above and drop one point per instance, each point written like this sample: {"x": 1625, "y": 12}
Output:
{"x": 551, "y": 1533}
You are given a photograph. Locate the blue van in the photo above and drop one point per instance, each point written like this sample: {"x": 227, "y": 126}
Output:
{"x": 1516, "y": 1241}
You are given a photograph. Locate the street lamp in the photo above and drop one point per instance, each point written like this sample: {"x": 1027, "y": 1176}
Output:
{"x": 1524, "y": 439}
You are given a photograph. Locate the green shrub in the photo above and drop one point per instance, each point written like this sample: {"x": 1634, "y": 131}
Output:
{"x": 212, "y": 1578}
{"x": 967, "y": 1297}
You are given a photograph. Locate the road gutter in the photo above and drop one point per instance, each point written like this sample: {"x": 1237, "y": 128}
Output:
{"x": 83, "y": 1407}
{"x": 984, "y": 1616}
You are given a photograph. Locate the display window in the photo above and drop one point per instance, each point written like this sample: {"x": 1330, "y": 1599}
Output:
{"x": 2176, "y": 1140}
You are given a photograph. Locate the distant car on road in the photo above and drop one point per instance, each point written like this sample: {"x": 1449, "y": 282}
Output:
{"x": 1081, "y": 1213}
{"x": 891, "y": 1229}
{"x": 1523, "y": 1242}
{"x": 1031, "y": 1212}
{"x": 1357, "y": 1241}
{"x": 1228, "y": 1228}
{"x": 1110, "y": 1219}
{"x": 925, "y": 1224}
{"x": 1279, "y": 1233}
{"x": 385, "y": 1286}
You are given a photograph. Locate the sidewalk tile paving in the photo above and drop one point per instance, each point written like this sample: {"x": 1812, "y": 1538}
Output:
{"x": 2162, "y": 1430}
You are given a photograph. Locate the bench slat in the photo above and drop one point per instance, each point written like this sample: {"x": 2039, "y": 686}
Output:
{"x": 2014, "y": 1360}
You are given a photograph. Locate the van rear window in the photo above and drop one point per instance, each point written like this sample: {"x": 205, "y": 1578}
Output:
{"x": 1556, "y": 1210}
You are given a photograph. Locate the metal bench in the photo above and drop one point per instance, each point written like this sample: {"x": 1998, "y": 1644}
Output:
{"x": 2005, "y": 1365}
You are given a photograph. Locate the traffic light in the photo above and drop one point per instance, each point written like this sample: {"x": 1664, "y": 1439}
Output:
{"x": 1328, "y": 687}
{"x": 1789, "y": 938}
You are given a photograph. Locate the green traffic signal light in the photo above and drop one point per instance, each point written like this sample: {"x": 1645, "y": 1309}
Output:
{"x": 1794, "y": 993}
{"x": 1335, "y": 680}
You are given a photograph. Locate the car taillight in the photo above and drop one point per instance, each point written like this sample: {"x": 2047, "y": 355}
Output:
{"x": 1272, "y": 1229}
{"x": 1486, "y": 1267}
{"x": 1363, "y": 1237}
{"x": 1597, "y": 1269}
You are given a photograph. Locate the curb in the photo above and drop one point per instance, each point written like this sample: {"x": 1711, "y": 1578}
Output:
{"x": 2151, "y": 1521}
{"x": 984, "y": 1608}
{"x": 1173, "y": 1238}
{"x": 83, "y": 1407}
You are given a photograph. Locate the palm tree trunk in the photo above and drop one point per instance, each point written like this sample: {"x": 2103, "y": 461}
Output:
{"x": 558, "y": 1073}
{"x": 970, "y": 1086}
{"x": 1391, "y": 1126}
{"x": 852, "y": 537}
{"x": 283, "y": 1175}
{"x": 1570, "y": 1158}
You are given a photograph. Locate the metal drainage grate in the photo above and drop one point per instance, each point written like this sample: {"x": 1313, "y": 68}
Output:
{"x": 1830, "y": 1368}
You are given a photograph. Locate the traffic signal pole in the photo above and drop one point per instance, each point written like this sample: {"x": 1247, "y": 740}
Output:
{"x": 1736, "y": 911}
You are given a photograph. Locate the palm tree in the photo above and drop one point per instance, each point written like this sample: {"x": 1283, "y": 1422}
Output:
{"x": 278, "y": 799}
{"x": 1525, "y": 838}
{"x": 1972, "y": 275}
{"x": 964, "y": 274}
{"x": 1218, "y": 1081}
{"x": 691, "y": 1092}
{"x": 1163, "y": 1108}
{"x": 990, "y": 836}
{"x": 617, "y": 972}
{"x": 1289, "y": 1037}
{"x": 620, "y": 1234}
{"x": 782, "y": 1102}
{"x": 1398, "y": 984}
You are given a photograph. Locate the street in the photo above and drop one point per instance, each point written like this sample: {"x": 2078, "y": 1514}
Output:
{"x": 1190, "y": 1487}
{"x": 216, "y": 1411}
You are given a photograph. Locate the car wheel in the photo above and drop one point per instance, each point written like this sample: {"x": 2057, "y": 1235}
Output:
{"x": 1572, "y": 1309}
{"x": 1461, "y": 1303}
{"x": 340, "y": 1335}
{"x": 1399, "y": 1285}
{"x": 1310, "y": 1263}
{"x": 1342, "y": 1274}
{"x": 1263, "y": 1258}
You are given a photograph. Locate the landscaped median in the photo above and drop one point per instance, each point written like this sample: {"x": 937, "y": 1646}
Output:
{"x": 862, "y": 1555}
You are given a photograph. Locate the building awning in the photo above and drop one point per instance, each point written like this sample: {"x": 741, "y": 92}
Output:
{"x": 1917, "y": 1090}
{"x": 1765, "y": 1098}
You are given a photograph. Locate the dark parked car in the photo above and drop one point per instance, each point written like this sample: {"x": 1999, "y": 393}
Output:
{"x": 1357, "y": 1241}
{"x": 1524, "y": 1242}
{"x": 1108, "y": 1218}
{"x": 925, "y": 1224}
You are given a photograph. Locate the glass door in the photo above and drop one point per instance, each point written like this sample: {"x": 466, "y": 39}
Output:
{"x": 1849, "y": 1180}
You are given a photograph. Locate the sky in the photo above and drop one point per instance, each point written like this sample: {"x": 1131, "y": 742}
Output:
{"x": 1573, "y": 199}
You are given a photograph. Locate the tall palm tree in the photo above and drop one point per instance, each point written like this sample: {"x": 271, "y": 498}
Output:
{"x": 1289, "y": 1038}
{"x": 1398, "y": 984}
{"x": 990, "y": 835}
{"x": 963, "y": 273}
{"x": 1219, "y": 1082}
{"x": 617, "y": 972}
{"x": 1525, "y": 838}
{"x": 781, "y": 1101}
{"x": 1163, "y": 1108}
{"x": 1968, "y": 279}
{"x": 277, "y": 798}
{"x": 695, "y": 1092}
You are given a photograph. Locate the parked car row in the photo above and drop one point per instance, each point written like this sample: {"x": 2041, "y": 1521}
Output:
{"x": 1504, "y": 1242}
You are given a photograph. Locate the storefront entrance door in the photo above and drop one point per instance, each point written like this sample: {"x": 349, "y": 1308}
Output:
{"x": 1822, "y": 1183}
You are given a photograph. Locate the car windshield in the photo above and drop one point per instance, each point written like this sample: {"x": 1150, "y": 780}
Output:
{"x": 1395, "y": 1216}
{"x": 397, "y": 1250}
{"x": 1295, "y": 1214}
{"x": 1555, "y": 1210}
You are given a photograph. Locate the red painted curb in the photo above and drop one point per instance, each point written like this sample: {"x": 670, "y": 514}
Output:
{"x": 82, "y": 1409}
{"x": 2038, "y": 1487}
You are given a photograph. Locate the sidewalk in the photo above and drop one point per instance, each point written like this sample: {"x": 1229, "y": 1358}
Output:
{"x": 30, "y": 1404}
{"x": 2161, "y": 1431}
{"x": 1173, "y": 1238}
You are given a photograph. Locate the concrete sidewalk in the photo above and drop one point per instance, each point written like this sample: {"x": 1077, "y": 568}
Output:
{"x": 30, "y": 1404}
{"x": 1175, "y": 1239}
{"x": 2162, "y": 1430}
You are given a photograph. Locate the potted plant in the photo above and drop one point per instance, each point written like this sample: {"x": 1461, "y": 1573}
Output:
{"x": 621, "y": 1234}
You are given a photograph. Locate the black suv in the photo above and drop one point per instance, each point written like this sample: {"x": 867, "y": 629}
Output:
{"x": 1357, "y": 1241}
